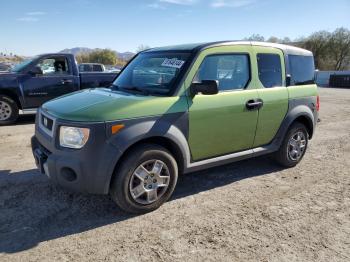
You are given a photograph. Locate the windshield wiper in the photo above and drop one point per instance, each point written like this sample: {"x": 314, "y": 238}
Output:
{"x": 135, "y": 88}
{"x": 114, "y": 87}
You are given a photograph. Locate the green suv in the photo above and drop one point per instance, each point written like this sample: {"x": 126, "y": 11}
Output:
{"x": 178, "y": 109}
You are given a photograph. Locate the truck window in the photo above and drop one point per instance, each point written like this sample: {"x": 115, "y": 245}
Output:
{"x": 54, "y": 66}
{"x": 97, "y": 68}
{"x": 85, "y": 68}
{"x": 232, "y": 71}
{"x": 270, "y": 70}
{"x": 302, "y": 69}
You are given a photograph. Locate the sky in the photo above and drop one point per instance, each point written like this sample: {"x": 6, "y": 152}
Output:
{"x": 30, "y": 27}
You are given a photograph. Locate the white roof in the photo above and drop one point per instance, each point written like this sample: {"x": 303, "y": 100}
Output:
{"x": 287, "y": 49}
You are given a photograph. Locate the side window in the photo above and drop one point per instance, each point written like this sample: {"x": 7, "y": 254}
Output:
{"x": 302, "y": 69}
{"x": 85, "y": 68}
{"x": 97, "y": 68}
{"x": 54, "y": 66}
{"x": 231, "y": 71}
{"x": 270, "y": 70}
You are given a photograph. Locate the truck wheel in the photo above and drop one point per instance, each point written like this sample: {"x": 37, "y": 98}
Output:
{"x": 145, "y": 179}
{"x": 8, "y": 110}
{"x": 293, "y": 146}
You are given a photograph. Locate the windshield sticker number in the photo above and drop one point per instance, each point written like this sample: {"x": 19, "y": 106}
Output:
{"x": 174, "y": 62}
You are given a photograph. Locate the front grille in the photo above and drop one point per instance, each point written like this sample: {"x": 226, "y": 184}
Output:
{"x": 46, "y": 123}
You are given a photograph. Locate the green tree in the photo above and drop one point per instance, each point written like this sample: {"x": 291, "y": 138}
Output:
{"x": 339, "y": 49}
{"x": 273, "y": 39}
{"x": 102, "y": 56}
{"x": 255, "y": 37}
{"x": 318, "y": 44}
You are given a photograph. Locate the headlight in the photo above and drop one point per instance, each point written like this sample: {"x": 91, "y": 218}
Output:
{"x": 73, "y": 137}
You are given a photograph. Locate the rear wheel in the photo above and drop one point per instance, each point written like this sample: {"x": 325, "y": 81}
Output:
{"x": 293, "y": 146}
{"x": 8, "y": 110}
{"x": 145, "y": 179}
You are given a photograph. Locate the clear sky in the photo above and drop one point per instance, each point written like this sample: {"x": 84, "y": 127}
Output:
{"x": 31, "y": 27}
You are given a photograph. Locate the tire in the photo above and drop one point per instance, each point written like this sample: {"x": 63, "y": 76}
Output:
{"x": 134, "y": 190}
{"x": 8, "y": 110}
{"x": 291, "y": 152}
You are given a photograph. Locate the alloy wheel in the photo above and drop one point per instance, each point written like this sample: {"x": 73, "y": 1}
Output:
{"x": 149, "y": 181}
{"x": 5, "y": 110}
{"x": 296, "y": 146}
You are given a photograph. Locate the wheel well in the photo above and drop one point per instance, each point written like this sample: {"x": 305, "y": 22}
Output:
{"x": 13, "y": 96}
{"x": 171, "y": 146}
{"x": 307, "y": 123}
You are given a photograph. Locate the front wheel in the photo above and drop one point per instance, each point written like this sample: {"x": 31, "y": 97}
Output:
{"x": 293, "y": 146}
{"x": 145, "y": 179}
{"x": 8, "y": 110}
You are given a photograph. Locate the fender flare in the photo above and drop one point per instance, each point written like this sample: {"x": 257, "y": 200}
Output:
{"x": 144, "y": 130}
{"x": 295, "y": 113}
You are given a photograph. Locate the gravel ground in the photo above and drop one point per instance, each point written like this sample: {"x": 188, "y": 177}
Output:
{"x": 247, "y": 211}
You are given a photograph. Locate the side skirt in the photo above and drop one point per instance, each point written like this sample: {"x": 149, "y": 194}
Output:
{"x": 28, "y": 111}
{"x": 234, "y": 157}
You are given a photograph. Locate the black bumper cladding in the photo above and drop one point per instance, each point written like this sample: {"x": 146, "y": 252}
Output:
{"x": 86, "y": 170}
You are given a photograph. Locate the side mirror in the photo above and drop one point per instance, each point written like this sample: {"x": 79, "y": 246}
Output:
{"x": 288, "y": 80}
{"x": 206, "y": 87}
{"x": 36, "y": 70}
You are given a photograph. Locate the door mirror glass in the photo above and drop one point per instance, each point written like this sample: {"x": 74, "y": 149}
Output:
{"x": 205, "y": 87}
{"x": 36, "y": 70}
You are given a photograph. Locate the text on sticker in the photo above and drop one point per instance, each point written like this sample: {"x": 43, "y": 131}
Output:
{"x": 174, "y": 62}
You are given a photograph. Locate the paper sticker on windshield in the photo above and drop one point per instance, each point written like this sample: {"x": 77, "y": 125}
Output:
{"x": 174, "y": 62}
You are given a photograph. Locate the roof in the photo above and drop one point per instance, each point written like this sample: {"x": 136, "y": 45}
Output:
{"x": 287, "y": 49}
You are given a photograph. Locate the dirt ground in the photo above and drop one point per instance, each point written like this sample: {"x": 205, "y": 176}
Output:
{"x": 247, "y": 211}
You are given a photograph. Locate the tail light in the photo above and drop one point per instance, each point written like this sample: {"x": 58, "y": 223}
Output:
{"x": 318, "y": 103}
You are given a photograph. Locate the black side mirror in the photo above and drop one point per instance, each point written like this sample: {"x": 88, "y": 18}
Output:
{"x": 36, "y": 70}
{"x": 288, "y": 80}
{"x": 206, "y": 87}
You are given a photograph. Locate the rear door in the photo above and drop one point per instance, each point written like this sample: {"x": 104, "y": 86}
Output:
{"x": 56, "y": 79}
{"x": 272, "y": 91}
{"x": 221, "y": 124}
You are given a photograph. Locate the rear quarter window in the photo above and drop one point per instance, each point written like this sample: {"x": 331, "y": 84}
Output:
{"x": 302, "y": 69}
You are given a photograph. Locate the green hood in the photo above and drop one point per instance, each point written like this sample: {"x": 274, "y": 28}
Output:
{"x": 105, "y": 105}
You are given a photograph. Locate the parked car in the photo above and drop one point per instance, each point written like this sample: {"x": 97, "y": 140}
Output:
{"x": 175, "y": 110}
{"x": 4, "y": 67}
{"x": 91, "y": 67}
{"x": 41, "y": 79}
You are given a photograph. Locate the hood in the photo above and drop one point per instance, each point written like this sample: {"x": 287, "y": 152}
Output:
{"x": 8, "y": 79}
{"x": 102, "y": 104}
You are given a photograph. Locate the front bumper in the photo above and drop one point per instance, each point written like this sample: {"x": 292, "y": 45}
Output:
{"x": 86, "y": 170}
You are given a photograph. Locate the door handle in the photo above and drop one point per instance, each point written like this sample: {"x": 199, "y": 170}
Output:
{"x": 66, "y": 81}
{"x": 254, "y": 104}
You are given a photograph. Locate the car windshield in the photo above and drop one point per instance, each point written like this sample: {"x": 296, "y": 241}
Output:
{"x": 151, "y": 73}
{"x": 20, "y": 66}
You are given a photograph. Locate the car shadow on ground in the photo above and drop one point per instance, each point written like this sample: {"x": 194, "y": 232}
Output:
{"x": 34, "y": 211}
{"x": 25, "y": 119}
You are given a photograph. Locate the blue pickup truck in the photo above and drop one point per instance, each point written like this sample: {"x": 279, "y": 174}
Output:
{"x": 30, "y": 84}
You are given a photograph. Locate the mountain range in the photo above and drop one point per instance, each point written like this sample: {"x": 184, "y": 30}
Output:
{"x": 77, "y": 50}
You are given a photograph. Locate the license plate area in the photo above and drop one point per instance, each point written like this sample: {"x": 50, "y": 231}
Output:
{"x": 40, "y": 160}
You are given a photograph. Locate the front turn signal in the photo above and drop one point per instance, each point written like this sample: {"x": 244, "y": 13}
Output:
{"x": 117, "y": 128}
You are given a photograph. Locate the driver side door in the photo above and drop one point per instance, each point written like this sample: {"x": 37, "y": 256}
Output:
{"x": 221, "y": 124}
{"x": 54, "y": 80}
